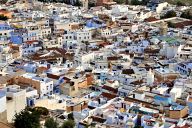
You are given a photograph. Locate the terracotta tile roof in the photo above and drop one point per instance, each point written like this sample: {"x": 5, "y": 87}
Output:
{"x": 69, "y": 56}
{"x": 128, "y": 71}
{"x": 56, "y": 53}
{"x": 138, "y": 82}
{"x": 103, "y": 44}
{"x": 42, "y": 69}
{"x": 60, "y": 50}
{"x": 31, "y": 42}
{"x": 183, "y": 24}
{"x": 151, "y": 19}
{"x": 112, "y": 58}
{"x": 111, "y": 89}
{"x": 150, "y": 50}
{"x": 108, "y": 95}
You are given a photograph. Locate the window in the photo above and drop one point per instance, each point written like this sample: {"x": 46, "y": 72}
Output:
{"x": 47, "y": 87}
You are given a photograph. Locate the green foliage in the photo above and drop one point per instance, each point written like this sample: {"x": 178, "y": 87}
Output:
{"x": 68, "y": 124}
{"x": 169, "y": 14}
{"x": 4, "y": 18}
{"x": 51, "y": 123}
{"x": 27, "y": 119}
{"x": 179, "y": 3}
{"x": 70, "y": 116}
{"x": 136, "y": 2}
{"x": 120, "y": 1}
{"x": 41, "y": 110}
{"x": 171, "y": 25}
{"x": 30, "y": 117}
{"x": 187, "y": 14}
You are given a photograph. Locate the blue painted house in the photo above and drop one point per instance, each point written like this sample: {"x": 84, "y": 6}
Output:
{"x": 30, "y": 67}
{"x": 94, "y": 24}
{"x": 161, "y": 99}
{"x": 5, "y": 31}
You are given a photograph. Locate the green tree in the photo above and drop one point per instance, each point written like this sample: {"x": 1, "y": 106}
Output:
{"x": 40, "y": 110}
{"x": 27, "y": 119}
{"x": 120, "y": 1}
{"x": 68, "y": 124}
{"x": 51, "y": 123}
{"x": 187, "y": 14}
{"x": 169, "y": 14}
{"x": 139, "y": 2}
{"x": 179, "y": 3}
{"x": 171, "y": 25}
{"x": 70, "y": 116}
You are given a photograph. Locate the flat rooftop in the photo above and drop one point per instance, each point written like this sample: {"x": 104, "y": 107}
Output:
{"x": 165, "y": 71}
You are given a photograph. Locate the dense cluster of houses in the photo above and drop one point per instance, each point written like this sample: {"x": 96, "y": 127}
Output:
{"x": 111, "y": 66}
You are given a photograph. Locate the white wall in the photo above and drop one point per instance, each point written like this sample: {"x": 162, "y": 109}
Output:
{"x": 84, "y": 36}
{"x": 3, "y": 104}
{"x": 15, "y": 105}
{"x": 46, "y": 88}
{"x": 31, "y": 93}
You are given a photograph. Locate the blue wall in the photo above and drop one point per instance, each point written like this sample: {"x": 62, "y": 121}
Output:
{"x": 189, "y": 104}
{"x": 92, "y": 24}
{"x": 162, "y": 100}
{"x": 16, "y": 39}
